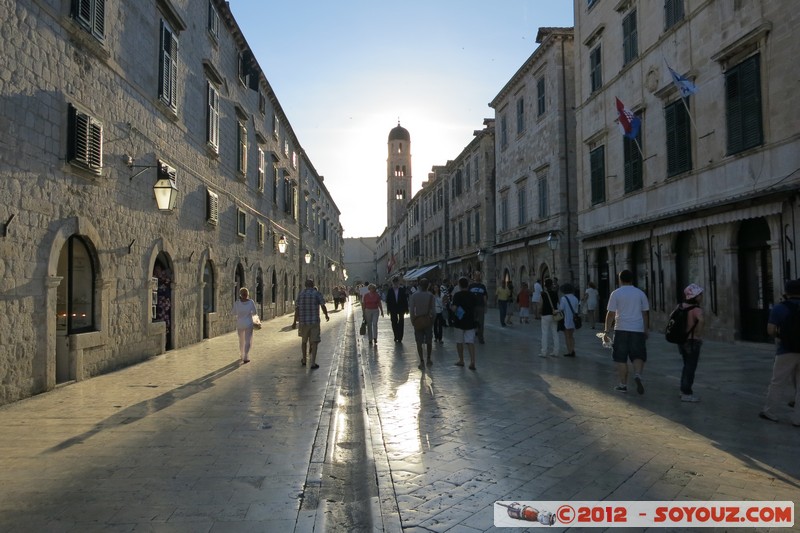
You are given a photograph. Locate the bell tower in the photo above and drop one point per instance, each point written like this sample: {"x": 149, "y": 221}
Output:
{"x": 398, "y": 174}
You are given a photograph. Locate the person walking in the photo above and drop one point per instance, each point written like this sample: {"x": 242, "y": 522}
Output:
{"x": 372, "y": 305}
{"x": 439, "y": 320}
{"x": 421, "y": 308}
{"x": 629, "y": 313}
{"x": 481, "y": 301}
{"x": 549, "y": 325}
{"x": 462, "y": 308}
{"x": 307, "y": 322}
{"x": 570, "y": 306}
{"x": 784, "y": 324}
{"x": 397, "y": 305}
{"x": 536, "y": 300}
{"x": 245, "y": 309}
{"x": 524, "y": 303}
{"x": 690, "y": 350}
{"x": 510, "y": 306}
{"x": 503, "y": 294}
{"x": 590, "y": 301}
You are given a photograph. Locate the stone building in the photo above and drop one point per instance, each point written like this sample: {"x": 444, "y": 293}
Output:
{"x": 535, "y": 184}
{"x": 707, "y": 190}
{"x": 148, "y": 172}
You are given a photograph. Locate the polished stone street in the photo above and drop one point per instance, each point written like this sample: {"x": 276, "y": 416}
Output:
{"x": 191, "y": 441}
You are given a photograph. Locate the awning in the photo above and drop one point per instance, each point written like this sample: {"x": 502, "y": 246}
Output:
{"x": 418, "y": 272}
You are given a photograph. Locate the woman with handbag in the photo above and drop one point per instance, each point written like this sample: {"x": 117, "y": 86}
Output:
{"x": 551, "y": 316}
{"x": 246, "y": 315}
{"x": 421, "y": 308}
{"x": 571, "y": 307}
{"x": 372, "y": 304}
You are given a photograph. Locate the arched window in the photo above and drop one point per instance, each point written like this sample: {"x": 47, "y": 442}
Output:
{"x": 76, "y": 294}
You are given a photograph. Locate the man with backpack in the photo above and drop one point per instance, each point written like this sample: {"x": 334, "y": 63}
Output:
{"x": 784, "y": 323}
{"x": 685, "y": 328}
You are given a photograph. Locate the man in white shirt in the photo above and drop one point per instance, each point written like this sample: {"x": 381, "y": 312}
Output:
{"x": 629, "y": 312}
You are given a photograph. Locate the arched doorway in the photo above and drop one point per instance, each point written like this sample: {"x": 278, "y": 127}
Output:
{"x": 238, "y": 281}
{"x": 162, "y": 304}
{"x": 209, "y": 300}
{"x": 75, "y": 301}
{"x": 260, "y": 292}
{"x": 683, "y": 254}
{"x": 604, "y": 284}
{"x": 755, "y": 279}
{"x": 639, "y": 266}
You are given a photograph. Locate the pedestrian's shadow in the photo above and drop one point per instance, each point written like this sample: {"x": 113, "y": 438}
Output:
{"x": 138, "y": 411}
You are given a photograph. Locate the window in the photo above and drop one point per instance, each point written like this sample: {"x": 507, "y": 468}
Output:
{"x": 595, "y": 69}
{"x": 260, "y": 234}
{"x": 522, "y": 206}
{"x": 477, "y": 227}
{"x": 212, "y": 207}
{"x": 262, "y": 103}
{"x": 85, "y": 141}
{"x": 459, "y": 182}
{"x": 91, "y": 14}
{"x": 241, "y": 223}
{"x": 544, "y": 202}
{"x": 504, "y": 213}
{"x": 212, "y": 121}
{"x": 276, "y": 126}
{"x": 213, "y": 21}
{"x": 275, "y": 183}
{"x": 469, "y": 229}
{"x": 590, "y": 3}
{"x": 743, "y": 105}
{"x": 597, "y": 164}
{"x": 460, "y": 233}
{"x": 262, "y": 171}
{"x": 520, "y": 115}
{"x": 503, "y": 133}
{"x": 633, "y": 162}
{"x": 673, "y": 13}
{"x": 679, "y": 142}
{"x": 540, "y": 96}
{"x": 243, "y": 69}
{"x": 630, "y": 45}
{"x": 75, "y": 304}
{"x": 168, "y": 67}
{"x": 467, "y": 175}
{"x": 241, "y": 162}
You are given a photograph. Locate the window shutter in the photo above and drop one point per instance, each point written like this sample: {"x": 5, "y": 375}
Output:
{"x": 212, "y": 207}
{"x": 743, "y": 105}
{"x": 168, "y": 67}
{"x": 213, "y": 117}
{"x": 98, "y": 25}
{"x": 597, "y": 164}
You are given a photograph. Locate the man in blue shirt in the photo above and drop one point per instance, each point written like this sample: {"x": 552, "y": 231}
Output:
{"x": 782, "y": 324}
{"x": 306, "y": 313}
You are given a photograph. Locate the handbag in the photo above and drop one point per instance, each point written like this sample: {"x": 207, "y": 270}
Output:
{"x": 423, "y": 321}
{"x": 576, "y": 318}
{"x": 363, "y": 329}
{"x": 256, "y": 322}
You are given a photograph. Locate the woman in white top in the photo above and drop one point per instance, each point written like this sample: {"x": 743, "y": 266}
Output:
{"x": 570, "y": 306}
{"x": 438, "y": 320}
{"x": 590, "y": 300}
{"x": 244, "y": 308}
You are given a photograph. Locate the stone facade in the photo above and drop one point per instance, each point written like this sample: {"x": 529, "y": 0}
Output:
{"x": 709, "y": 194}
{"x": 535, "y": 186}
{"x": 100, "y": 104}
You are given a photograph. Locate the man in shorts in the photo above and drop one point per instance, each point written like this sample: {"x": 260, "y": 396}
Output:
{"x": 462, "y": 307}
{"x": 306, "y": 313}
{"x": 629, "y": 312}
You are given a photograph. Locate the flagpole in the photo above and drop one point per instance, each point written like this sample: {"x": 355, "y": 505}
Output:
{"x": 639, "y": 147}
{"x": 683, "y": 99}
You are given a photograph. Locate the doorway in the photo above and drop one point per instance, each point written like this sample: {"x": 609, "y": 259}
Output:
{"x": 755, "y": 279}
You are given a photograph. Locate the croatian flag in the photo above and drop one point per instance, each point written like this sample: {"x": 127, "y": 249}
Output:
{"x": 390, "y": 264}
{"x": 684, "y": 85}
{"x": 628, "y": 121}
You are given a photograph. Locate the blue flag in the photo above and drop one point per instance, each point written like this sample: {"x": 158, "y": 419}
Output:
{"x": 684, "y": 85}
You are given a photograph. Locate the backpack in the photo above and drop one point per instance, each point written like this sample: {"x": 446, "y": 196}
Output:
{"x": 675, "y": 332}
{"x": 791, "y": 340}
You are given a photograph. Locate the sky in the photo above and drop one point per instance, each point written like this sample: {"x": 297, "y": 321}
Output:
{"x": 345, "y": 72}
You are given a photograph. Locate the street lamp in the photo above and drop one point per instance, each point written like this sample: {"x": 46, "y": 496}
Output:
{"x": 307, "y": 257}
{"x": 552, "y": 242}
{"x": 333, "y": 267}
{"x": 282, "y": 244}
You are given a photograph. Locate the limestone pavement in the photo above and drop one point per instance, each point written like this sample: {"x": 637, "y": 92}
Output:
{"x": 192, "y": 441}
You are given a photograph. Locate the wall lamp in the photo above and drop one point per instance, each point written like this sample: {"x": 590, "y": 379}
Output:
{"x": 307, "y": 257}
{"x": 282, "y": 244}
{"x": 333, "y": 267}
{"x": 164, "y": 189}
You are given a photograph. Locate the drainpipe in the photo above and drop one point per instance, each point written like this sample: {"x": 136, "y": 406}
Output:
{"x": 566, "y": 162}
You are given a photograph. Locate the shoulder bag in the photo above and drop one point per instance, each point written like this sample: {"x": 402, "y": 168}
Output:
{"x": 424, "y": 321}
{"x": 558, "y": 315}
